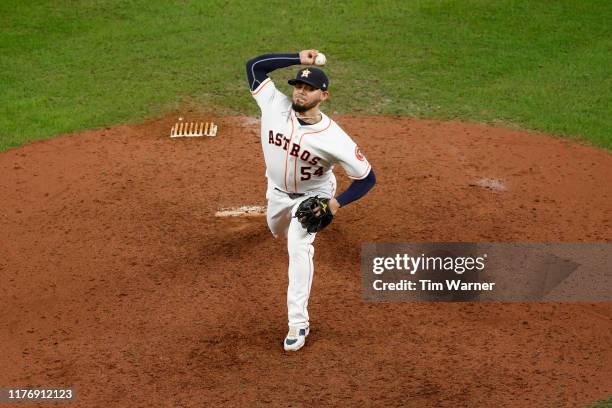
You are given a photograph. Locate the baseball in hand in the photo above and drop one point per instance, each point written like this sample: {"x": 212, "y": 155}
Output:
{"x": 320, "y": 59}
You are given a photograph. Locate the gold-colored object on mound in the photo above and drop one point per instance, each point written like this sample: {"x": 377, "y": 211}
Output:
{"x": 193, "y": 129}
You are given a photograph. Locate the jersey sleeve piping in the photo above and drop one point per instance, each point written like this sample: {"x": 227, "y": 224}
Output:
{"x": 261, "y": 86}
{"x": 364, "y": 175}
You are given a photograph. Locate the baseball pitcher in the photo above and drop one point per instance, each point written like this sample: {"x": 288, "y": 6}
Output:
{"x": 301, "y": 145}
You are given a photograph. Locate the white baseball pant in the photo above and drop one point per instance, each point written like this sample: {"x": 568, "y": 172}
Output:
{"x": 282, "y": 223}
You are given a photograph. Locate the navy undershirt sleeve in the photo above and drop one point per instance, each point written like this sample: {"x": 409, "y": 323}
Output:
{"x": 357, "y": 189}
{"x": 259, "y": 67}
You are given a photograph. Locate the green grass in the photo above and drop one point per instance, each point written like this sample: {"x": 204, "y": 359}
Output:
{"x": 601, "y": 404}
{"x": 71, "y": 65}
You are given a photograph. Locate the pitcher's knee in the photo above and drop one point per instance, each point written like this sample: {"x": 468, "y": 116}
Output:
{"x": 278, "y": 229}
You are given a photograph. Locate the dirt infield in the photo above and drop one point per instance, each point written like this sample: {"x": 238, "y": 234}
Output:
{"x": 118, "y": 279}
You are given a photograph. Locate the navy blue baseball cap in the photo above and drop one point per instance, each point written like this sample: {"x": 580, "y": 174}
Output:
{"x": 312, "y": 76}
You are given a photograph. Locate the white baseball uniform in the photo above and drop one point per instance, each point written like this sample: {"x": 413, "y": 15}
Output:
{"x": 300, "y": 159}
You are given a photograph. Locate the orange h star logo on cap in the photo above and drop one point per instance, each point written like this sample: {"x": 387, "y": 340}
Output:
{"x": 305, "y": 73}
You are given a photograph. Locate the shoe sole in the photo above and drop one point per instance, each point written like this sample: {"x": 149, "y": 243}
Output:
{"x": 294, "y": 349}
